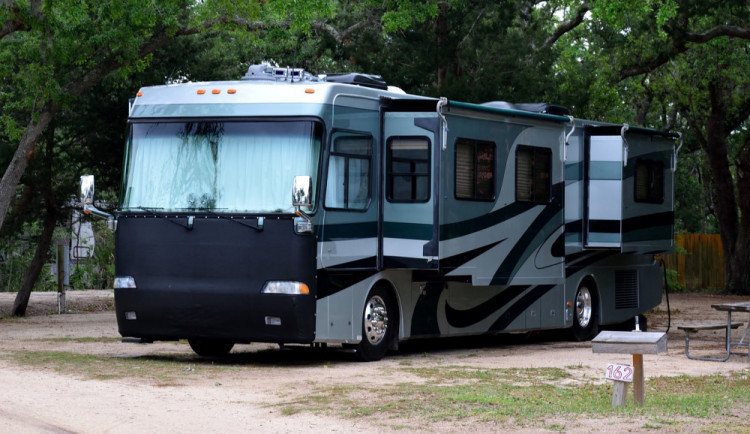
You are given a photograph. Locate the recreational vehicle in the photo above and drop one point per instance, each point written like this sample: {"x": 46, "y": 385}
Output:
{"x": 292, "y": 208}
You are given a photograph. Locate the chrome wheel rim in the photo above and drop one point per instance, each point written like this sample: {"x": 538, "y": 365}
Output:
{"x": 583, "y": 306}
{"x": 375, "y": 320}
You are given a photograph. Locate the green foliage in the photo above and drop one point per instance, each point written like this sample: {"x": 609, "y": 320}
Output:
{"x": 621, "y": 14}
{"x": 469, "y": 51}
{"x": 673, "y": 282}
{"x": 98, "y": 270}
{"x": 692, "y": 206}
{"x": 16, "y": 257}
{"x": 402, "y": 14}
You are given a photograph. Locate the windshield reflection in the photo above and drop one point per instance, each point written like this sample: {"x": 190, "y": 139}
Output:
{"x": 244, "y": 167}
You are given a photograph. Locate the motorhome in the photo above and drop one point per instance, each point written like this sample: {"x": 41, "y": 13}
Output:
{"x": 292, "y": 208}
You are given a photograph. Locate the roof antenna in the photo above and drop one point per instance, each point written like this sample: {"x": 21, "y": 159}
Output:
{"x": 290, "y": 72}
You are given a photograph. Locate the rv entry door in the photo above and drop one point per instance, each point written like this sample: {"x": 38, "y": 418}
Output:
{"x": 408, "y": 232}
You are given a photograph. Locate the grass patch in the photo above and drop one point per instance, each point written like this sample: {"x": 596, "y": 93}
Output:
{"x": 516, "y": 375}
{"x": 524, "y": 397}
{"x": 87, "y": 339}
{"x": 162, "y": 370}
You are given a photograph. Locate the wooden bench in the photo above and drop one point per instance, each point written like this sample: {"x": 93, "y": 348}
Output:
{"x": 700, "y": 327}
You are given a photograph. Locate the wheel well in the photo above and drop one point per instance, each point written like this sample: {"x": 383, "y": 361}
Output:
{"x": 594, "y": 288}
{"x": 391, "y": 289}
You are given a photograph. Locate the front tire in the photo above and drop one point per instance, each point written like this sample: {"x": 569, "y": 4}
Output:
{"x": 379, "y": 320}
{"x": 211, "y": 347}
{"x": 585, "y": 316}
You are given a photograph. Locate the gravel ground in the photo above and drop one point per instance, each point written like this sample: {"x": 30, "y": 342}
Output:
{"x": 250, "y": 390}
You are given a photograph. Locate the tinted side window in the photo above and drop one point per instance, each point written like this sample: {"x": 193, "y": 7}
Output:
{"x": 348, "y": 183}
{"x": 533, "y": 174}
{"x": 649, "y": 181}
{"x": 408, "y": 177}
{"x": 475, "y": 169}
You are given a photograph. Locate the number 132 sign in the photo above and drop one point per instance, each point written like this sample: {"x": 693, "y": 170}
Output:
{"x": 619, "y": 372}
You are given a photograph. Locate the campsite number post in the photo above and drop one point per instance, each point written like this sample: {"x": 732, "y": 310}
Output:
{"x": 635, "y": 343}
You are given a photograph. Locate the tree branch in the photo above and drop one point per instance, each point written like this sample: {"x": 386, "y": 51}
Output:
{"x": 567, "y": 26}
{"x": 717, "y": 32}
{"x": 341, "y": 37}
{"x": 114, "y": 61}
{"x": 471, "y": 29}
{"x": 679, "y": 45}
{"x": 17, "y": 23}
{"x": 13, "y": 24}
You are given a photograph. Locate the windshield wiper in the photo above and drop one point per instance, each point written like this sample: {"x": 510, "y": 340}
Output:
{"x": 153, "y": 212}
{"x": 210, "y": 211}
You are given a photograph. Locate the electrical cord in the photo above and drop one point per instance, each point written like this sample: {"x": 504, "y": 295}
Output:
{"x": 666, "y": 293}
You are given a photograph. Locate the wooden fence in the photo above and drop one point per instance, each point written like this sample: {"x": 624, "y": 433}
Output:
{"x": 698, "y": 259}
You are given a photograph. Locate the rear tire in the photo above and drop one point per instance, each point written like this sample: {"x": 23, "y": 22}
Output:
{"x": 585, "y": 315}
{"x": 379, "y": 318}
{"x": 211, "y": 347}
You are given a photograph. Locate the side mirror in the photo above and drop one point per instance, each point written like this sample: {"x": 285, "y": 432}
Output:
{"x": 302, "y": 197}
{"x": 86, "y": 197}
{"x": 87, "y": 190}
{"x": 302, "y": 191}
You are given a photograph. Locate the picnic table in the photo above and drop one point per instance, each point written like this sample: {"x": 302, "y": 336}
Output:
{"x": 744, "y": 341}
{"x": 728, "y": 326}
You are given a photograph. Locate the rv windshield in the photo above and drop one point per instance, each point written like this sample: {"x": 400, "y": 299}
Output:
{"x": 218, "y": 166}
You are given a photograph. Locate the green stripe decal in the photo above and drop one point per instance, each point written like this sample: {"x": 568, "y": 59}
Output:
{"x": 605, "y": 170}
{"x": 345, "y": 231}
{"x": 574, "y": 172}
{"x": 412, "y": 231}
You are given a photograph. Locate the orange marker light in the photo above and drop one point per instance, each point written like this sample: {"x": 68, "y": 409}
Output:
{"x": 309, "y": 90}
{"x": 231, "y": 91}
{"x": 216, "y": 91}
{"x": 139, "y": 94}
{"x": 201, "y": 91}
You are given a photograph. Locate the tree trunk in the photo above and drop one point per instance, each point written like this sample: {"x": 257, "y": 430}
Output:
{"x": 443, "y": 37}
{"x": 722, "y": 182}
{"x": 21, "y": 157}
{"x": 37, "y": 263}
{"x": 739, "y": 279}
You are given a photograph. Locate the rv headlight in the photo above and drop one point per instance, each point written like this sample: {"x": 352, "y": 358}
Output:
{"x": 284, "y": 287}
{"x": 302, "y": 226}
{"x": 124, "y": 282}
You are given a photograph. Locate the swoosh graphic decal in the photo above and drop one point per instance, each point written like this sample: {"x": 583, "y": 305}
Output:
{"x": 466, "y": 227}
{"x": 456, "y": 261}
{"x": 648, "y": 221}
{"x": 524, "y": 247}
{"x": 464, "y": 318}
{"x": 520, "y": 307}
{"x": 587, "y": 261}
{"x": 331, "y": 281}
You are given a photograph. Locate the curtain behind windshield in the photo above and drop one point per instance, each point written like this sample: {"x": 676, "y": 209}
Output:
{"x": 220, "y": 166}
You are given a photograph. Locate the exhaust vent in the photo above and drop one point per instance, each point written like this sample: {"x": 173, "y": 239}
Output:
{"x": 626, "y": 289}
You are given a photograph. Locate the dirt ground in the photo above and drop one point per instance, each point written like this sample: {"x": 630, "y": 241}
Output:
{"x": 251, "y": 395}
